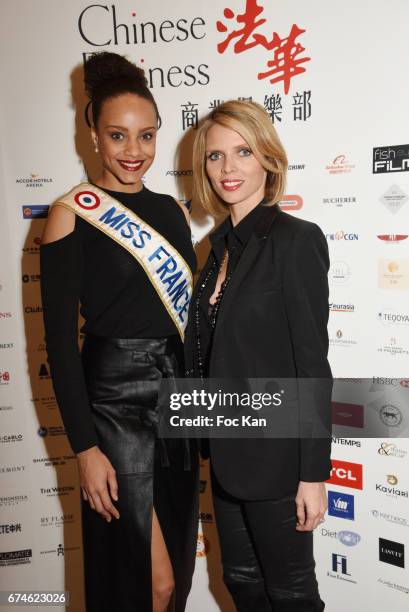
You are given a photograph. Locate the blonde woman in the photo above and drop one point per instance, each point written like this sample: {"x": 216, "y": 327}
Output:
{"x": 260, "y": 310}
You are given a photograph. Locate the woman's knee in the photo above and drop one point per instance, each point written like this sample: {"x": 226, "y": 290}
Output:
{"x": 162, "y": 591}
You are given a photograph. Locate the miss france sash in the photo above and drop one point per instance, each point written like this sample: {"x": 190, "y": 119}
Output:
{"x": 165, "y": 267}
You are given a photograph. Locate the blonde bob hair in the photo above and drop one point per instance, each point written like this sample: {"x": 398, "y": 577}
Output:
{"x": 253, "y": 124}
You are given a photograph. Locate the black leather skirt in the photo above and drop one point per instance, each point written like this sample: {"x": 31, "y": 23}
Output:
{"x": 123, "y": 380}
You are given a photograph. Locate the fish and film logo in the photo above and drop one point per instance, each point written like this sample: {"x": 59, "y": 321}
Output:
{"x": 341, "y": 505}
{"x": 393, "y": 158}
{"x": 392, "y": 552}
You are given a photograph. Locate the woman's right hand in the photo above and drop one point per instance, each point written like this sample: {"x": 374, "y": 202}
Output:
{"x": 98, "y": 482}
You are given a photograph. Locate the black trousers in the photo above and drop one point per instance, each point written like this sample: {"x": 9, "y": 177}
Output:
{"x": 268, "y": 566}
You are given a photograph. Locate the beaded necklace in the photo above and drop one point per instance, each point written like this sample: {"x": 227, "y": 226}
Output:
{"x": 213, "y": 309}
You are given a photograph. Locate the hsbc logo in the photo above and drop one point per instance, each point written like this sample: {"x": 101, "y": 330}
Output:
{"x": 346, "y": 474}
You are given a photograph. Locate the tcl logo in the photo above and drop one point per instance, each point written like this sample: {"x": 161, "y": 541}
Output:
{"x": 346, "y": 474}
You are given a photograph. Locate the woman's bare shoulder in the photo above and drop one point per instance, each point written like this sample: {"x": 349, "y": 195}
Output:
{"x": 60, "y": 223}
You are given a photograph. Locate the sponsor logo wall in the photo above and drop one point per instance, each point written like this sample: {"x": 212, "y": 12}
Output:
{"x": 339, "y": 127}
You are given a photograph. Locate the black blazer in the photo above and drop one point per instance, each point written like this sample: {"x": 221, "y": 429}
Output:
{"x": 272, "y": 322}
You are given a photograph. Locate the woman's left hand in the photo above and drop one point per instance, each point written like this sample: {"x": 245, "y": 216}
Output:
{"x": 311, "y": 502}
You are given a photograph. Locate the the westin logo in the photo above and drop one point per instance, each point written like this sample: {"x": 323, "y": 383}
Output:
{"x": 390, "y": 159}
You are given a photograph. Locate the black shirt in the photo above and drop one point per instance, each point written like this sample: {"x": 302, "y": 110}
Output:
{"x": 234, "y": 239}
{"x": 117, "y": 299}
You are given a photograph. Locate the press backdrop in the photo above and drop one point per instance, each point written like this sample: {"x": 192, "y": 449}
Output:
{"x": 333, "y": 76}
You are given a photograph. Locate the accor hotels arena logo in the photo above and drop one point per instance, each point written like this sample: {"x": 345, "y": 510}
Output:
{"x": 101, "y": 26}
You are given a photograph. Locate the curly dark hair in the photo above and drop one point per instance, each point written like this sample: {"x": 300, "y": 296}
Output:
{"x": 107, "y": 75}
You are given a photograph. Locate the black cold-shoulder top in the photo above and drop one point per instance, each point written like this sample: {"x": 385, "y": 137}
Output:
{"x": 116, "y": 299}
